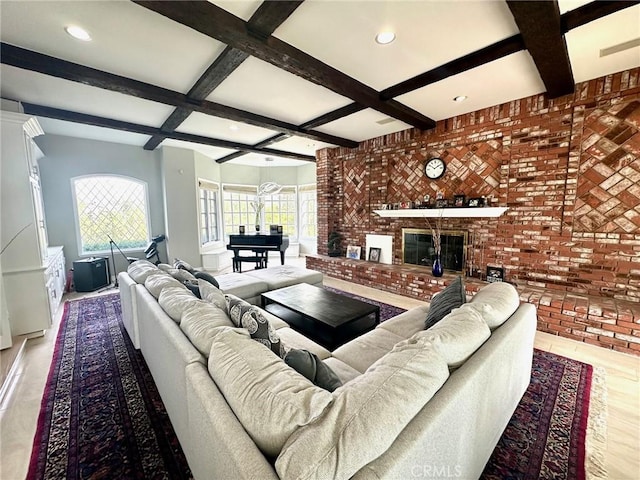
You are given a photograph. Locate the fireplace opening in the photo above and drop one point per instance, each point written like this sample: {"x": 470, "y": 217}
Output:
{"x": 417, "y": 248}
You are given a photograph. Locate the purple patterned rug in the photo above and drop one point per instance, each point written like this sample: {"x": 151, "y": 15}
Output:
{"x": 102, "y": 417}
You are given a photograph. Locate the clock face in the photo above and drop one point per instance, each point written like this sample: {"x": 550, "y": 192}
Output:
{"x": 435, "y": 168}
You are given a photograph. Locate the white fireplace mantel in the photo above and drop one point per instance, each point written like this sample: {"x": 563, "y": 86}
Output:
{"x": 471, "y": 212}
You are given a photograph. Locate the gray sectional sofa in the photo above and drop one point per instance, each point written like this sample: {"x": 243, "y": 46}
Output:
{"x": 414, "y": 403}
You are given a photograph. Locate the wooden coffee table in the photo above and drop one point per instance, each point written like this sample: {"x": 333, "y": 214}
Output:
{"x": 327, "y": 318}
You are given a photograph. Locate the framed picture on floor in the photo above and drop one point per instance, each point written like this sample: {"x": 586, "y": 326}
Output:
{"x": 374, "y": 254}
{"x": 495, "y": 274}
{"x": 353, "y": 251}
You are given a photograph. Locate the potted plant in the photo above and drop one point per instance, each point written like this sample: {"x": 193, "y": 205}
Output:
{"x": 334, "y": 244}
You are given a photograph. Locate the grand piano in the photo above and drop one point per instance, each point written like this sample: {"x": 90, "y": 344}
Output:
{"x": 259, "y": 244}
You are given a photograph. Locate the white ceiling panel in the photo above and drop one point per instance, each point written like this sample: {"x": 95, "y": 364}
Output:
{"x": 363, "y": 125}
{"x": 509, "y": 78}
{"x": 240, "y": 8}
{"x": 428, "y": 34}
{"x": 127, "y": 39}
{"x": 200, "y": 124}
{"x": 301, "y": 145}
{"x": 566, "y": 5}
{"x": 49, "y": 91}
{"x": 585, "y": 44}
{"x": 261, "y": 88}
{"x": 71, "y": 129}
{"x": 206, "y": 150}
{"x": 258, "y": 160}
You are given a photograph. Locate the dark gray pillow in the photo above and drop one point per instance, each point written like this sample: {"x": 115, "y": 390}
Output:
{"x": 193, "y": 286}
{"x": 208, "y": 278}
{"x": 451, "y": 297}
{"x": 311, "y": 367}
{"x": 245, "y": 315}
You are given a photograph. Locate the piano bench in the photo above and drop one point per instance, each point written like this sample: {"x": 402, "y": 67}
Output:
{"x": 259, "y": 260}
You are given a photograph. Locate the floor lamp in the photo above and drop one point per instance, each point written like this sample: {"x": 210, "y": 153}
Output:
{"x": 113, "y": 260}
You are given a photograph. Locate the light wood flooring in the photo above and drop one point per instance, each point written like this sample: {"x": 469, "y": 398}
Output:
{"x": 19, "y": 412}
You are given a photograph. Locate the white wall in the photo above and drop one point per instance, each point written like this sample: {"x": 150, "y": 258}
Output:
{"x": 68, "y": 157}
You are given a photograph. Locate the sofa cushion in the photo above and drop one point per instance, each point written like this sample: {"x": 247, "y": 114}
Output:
{"x": 451, "y": 297}
{"x": 457, "y": 335}
{"x": 212, "y": 294}
{"x": 365, "y": 350}
{"x": 282, "y": 276}
{"x": 140, "y": 270}
{"x": 293, "y": 339}
{"x": 199, "y": 323}
{"x": 159, "y": 280}
{"x": 174, "y": 300}
{"x": 245, "y": 315}
{"x": 270, "y": 399}
{"x": 407, "y": 323}
{"x": 241, "y": 285}
{"x": 181, "y": 275}
{"x": 345, "y": 372}
{"x": 496, "y": 302}
{"x": 365, "y": 418}
{"x": 312, "y": 368}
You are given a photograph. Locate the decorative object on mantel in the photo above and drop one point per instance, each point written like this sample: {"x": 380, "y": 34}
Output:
{"x": 465, "y": 212}
{"x": 436, "y": 231}
{"x": 374, "y": 254}
{"x": 353, "y": 252}
{"x": 476, "y": 202}
{"x": 334, "y": 244}
{"x": 458, "y": 200}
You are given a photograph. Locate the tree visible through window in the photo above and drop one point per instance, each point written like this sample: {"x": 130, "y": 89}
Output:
{"x": 208, "y": 212}
{"x": 111, "y": 206}
{"x": 281, "y": 209}
{"x": 308, "y": 211}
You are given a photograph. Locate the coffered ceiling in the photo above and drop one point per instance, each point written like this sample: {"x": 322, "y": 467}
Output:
{"x": 243, "y": 80}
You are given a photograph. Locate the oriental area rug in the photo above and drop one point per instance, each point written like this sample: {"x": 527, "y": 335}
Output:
{"x": 101, "y": 415}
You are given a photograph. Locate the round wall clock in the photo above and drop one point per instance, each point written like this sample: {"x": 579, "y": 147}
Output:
{"x": 435, "y": 168}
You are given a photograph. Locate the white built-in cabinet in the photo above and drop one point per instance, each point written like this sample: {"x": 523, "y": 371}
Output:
{"x": 33, "y": 274}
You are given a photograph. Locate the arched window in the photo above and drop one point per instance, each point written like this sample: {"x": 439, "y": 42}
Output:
{"x": 110, "y": 206}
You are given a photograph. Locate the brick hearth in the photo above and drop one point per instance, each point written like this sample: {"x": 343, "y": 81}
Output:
{"x": 601, "y": 321}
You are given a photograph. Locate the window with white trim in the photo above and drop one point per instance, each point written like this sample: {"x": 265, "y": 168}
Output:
{"x": 308, "y": 207}
{"x": 281, "y": 209}
{"x": 238, "y": 208}
{"x": 110, "y": 206}
{"x": 208, "y": 194}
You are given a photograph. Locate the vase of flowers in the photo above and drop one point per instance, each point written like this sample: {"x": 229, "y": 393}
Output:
{"x": 258, "y": 206}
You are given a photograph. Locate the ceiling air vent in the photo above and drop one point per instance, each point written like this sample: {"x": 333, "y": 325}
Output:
{"x": 384, "y": 121}
{"x": 620, "y": 47}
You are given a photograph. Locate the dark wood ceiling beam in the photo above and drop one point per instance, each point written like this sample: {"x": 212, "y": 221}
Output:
{"x": 539, "y": 23}
{"x": 488, "y": 54}
{"x": 38, "y": 62}
{"x": 593, "y": 11}
{"x": 335, "y": 115}
{"x": 265, "y": 20}
{"x": 69, "y": 116}
{"x": 276, "y": 138}
{"x": 217, "y": 23}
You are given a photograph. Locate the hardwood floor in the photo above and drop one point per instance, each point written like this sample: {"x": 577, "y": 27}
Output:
{"x": 19, "y": 413}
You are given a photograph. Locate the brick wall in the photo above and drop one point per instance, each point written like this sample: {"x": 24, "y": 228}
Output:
{"x": 568, "y": 169}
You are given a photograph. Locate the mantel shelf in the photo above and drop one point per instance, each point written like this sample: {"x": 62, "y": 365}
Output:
{"x": 473, "y": 212}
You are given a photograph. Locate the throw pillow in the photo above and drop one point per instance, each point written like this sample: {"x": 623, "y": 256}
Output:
{"x": 182, "y": 275}
{"x": 245, "y": 315}
{"x": 193, "y": 287}
{"x": 212, "y": 294}
{"x": 451, "y": 297}
{"x": 207, "y": 277}
{"x": 310, "y": 366}
{"x": 177, "y": 263}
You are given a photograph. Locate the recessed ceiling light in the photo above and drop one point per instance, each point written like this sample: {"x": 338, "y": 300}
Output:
{"x": 384, "y": 38}
{"x": 460, "y": 98}
{"x": 78, "y": 33}
{"x": 234, "y": 127}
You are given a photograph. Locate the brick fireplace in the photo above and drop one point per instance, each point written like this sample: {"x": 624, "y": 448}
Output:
{"x": 567, "y": 169}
